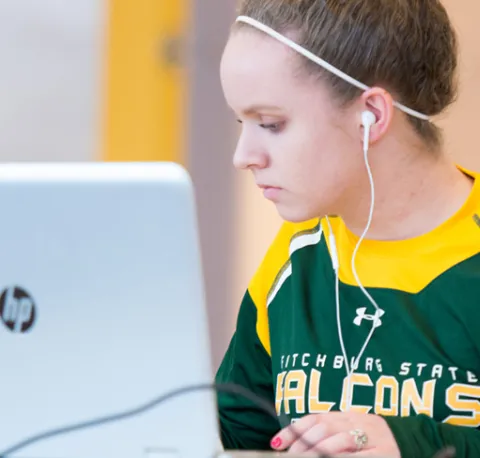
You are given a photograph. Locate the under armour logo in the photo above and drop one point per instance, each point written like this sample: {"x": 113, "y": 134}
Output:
{"x": 362, "y": 315}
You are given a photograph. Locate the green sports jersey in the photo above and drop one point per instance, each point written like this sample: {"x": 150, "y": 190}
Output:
{"x": 421, "y": 367}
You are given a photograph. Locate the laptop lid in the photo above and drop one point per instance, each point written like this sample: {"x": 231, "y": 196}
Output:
{"x": 102, "y": 310}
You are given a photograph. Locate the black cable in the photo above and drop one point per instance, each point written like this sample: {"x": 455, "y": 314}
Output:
{"x": 229, "y": 388}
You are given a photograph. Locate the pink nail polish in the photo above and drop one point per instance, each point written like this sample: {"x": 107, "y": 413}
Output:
{"x": 276, "y": 442}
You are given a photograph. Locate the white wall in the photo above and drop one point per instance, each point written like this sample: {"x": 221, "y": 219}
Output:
{"x": 462, "y": 121}
{"x": 51, "y": 57}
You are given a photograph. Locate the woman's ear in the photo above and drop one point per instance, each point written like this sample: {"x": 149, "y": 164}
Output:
{"x": 380, "y": 103}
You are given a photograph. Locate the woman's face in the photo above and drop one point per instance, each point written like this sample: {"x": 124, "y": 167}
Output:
{"x": 304, "y": 151}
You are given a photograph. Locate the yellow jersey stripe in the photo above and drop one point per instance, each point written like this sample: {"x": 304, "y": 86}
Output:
{"x": 410, "y": 265}
{"x": 270, "y": 271}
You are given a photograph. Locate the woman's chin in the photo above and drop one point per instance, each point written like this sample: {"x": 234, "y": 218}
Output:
{"x": 295, "y": 214}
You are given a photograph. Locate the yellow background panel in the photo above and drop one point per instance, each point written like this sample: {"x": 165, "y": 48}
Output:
{"x": 145, "y": 86}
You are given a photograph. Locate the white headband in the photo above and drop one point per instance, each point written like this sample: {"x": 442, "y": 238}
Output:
{"x": 321, "y": 62}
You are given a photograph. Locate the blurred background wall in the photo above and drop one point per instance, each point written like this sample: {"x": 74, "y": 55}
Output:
{"x": 138, "y": 80}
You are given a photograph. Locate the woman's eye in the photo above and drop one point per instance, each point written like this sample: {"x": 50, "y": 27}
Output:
{"x": 273, "y": 127}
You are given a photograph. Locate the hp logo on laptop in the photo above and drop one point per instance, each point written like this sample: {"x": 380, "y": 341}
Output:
{"x": 17, "y": 309}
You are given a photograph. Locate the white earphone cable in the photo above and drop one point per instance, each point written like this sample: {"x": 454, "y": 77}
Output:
{"x": 370, "y": 215}
{"x": 335, "y": 260}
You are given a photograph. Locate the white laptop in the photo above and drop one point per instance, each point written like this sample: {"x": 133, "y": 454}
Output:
{"x": 102, "y": 310}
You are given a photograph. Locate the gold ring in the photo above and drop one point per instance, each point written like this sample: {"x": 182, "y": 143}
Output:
{"x": 360, "y": 438}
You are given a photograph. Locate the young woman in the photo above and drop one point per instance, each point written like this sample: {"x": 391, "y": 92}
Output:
{"x": 361, "y": 324}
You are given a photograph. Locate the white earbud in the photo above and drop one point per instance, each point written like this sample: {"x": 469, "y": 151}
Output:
{"x": 368, "y": 120}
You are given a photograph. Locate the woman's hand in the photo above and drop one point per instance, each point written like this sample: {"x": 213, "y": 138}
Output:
{"x": 339, "y": 433}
